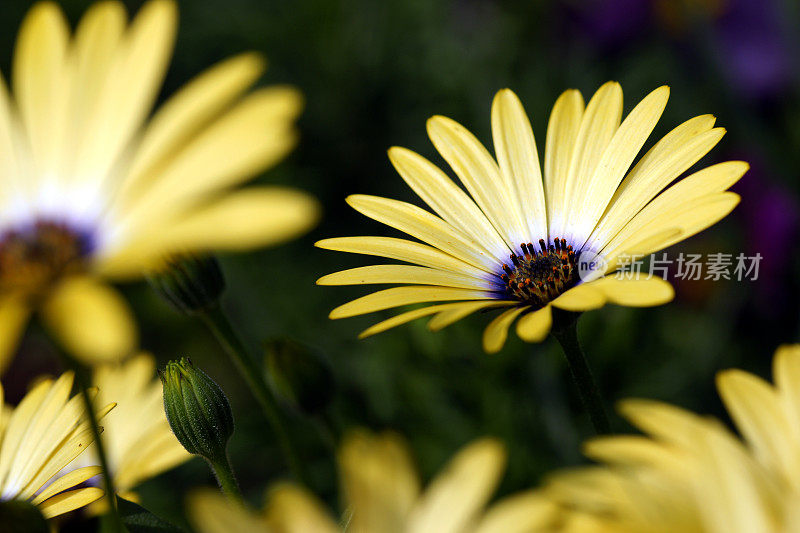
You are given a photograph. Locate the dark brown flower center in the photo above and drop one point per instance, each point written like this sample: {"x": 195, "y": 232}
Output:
{"x": 539, "y": 276}
{"x": 34, "y": 257}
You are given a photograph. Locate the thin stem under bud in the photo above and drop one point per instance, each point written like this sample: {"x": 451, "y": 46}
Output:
{"x": 220, "y": 326}
{"x": 226, "y": 479}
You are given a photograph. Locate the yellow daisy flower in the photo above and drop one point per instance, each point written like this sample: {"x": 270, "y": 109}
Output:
{"x": 137, "y": 439}
{"x": 93, "y": 187}
{"x": 689, "y": 473}
{"x": 40, "y": 437}
{"x": 383, "y": 495}
{"x": 527, "y": 241}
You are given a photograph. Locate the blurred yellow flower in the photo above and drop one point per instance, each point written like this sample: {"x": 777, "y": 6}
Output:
{"x": 40, "y": 437}
{"x": 689, "y": 473}
{"x": 90, "y": 186}
{"x": 382, "y": 494}
{"x": 526, "y": 240}
{"x": 138, "y": 441}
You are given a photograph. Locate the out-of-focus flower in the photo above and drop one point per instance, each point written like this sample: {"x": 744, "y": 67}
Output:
{"x": 611, "y": 22}
{"x": 91, "y": 187}
{"x": 754, "y": 52}
{"x": 563, "y": 232}
{"x": 383, "y": 495}
{"x": 138, "y": 441}
{"x": 38, "y": 439}
{"x": 689, "y": 473}
{"x": 771, "y": 216}
{"x": 748, "y": 39}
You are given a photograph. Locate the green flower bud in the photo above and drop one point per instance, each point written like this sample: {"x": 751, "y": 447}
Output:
{"x": 189, "y": 283}
{"x": 300, "y": 376}
{"x": 197, "y": 410}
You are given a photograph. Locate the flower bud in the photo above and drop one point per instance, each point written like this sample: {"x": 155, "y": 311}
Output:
{"x": 197, "y": 410}
{"x": 189, "y": 283}
{"x": 300, "y": 376}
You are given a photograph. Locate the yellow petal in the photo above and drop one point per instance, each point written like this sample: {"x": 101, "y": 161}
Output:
{"x": 184, "y": 114}
{"x": 448, "y": 200}
{"x": 615, "y": 161}
{"x": 756, "y": 409}
{"x": 445, "y": 314}
{"x": 67, "y": 481}
{"x": 250, "y": 137}
{"x": 460, "y": 310}
{"x": 580, "y": 298}
{"x": 689, "y": 216}
{"x": 516, "y": 153}
{"x": 479, "y": 173}
{"x": 210, "y": 512}
{"x": 679, "y": 205}
{"x": 643, "y": 292}
{"x": 786, "y": 372}
{"x": 733, "y": 494}
{"x": 131, "y": 88}
{"x": 628, "y": 450}
{"x": 69, "y": 501}
{"x": 668, "y": 159}
{"x": 91, "y": 320}
{"x": 663, "y": 421}
{"x": 521, "y": 513}
{"x": 403, "y": 318}
{"x": 397, "y": 296}
{"x": 496, "y": 333}
{"x": 377, "y": 274}
{"x": 96, "y": 49}
{"x": 379, "y": 481}
{"x": 161, "y": 453}
{"x": 54, "y": 420}
{"x": 17, "y": 426}
{"x": 426, "y": 227}
{"x": 401, "y": 250}
{"x": 535, "y": 326}
{"x": 250, "y": 218}
{"x": 598, "y": 125}
{"x": 292, "y": 509}
{"x": 456, "y": 496}
{"x": 13, "y": 318}
{"x": 74, "y": 445}
{"x": 40, "y": 83}
{"x": 562, "y": 131}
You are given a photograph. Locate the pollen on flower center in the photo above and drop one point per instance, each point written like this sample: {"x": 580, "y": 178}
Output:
{"x": 34, "y": 256}
{"x": 539, "y": 276}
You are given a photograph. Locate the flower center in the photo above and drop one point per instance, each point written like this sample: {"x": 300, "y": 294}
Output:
{"x": 35, "y": 256}
{"x": 539, "y": 276}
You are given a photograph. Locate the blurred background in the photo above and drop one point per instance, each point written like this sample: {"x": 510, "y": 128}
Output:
{"x": 372, "y": 73}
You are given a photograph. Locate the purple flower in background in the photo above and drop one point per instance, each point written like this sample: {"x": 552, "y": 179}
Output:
{"x": 771, "y": 215}
{"x": 754, "y": 53}
{"x": 612, "y": 22}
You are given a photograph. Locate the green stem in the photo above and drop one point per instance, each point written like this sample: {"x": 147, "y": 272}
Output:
{"x": 226, "y": 479}
{"x": 220, "y": 326}
{"x": 567, "y": 336}
{"x": 113, "y": 521}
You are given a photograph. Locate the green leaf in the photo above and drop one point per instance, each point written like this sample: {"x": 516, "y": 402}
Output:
{"x": 137, "y": 519}
{"x": 21, "y": 517}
